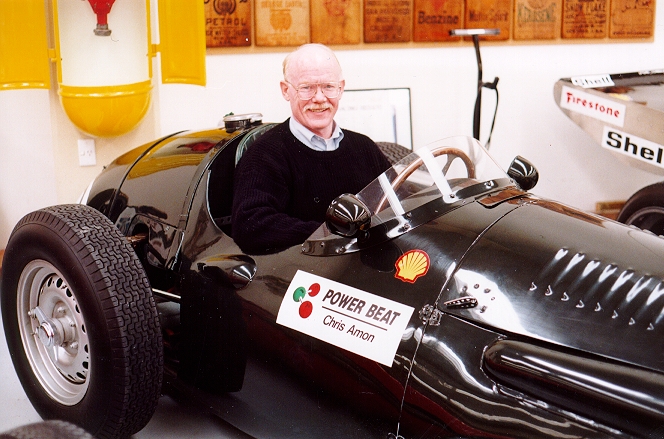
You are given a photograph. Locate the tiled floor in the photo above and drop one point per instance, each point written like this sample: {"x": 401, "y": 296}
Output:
{"x": 17, "y": 410}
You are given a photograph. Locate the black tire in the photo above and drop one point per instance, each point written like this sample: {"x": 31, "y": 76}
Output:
{"x": 96, "y": 357}
{"x": 645, "y": 209}
{"x": 393, "y": 151}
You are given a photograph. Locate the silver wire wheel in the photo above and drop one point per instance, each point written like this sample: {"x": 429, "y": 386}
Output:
{"x": 80, "y": 321}
{"x": 53, "y": 332}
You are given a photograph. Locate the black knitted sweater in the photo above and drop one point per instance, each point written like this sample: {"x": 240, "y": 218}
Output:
{"x": 283, "y": 188}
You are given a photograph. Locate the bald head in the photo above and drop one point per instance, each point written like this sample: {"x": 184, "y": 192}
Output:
{"x": 311, "y": 56}
{"x": 312, "y": 66}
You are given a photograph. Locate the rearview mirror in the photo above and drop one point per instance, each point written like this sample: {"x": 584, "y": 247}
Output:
{"x": 347, "y": 216}
{"x": 524, "y": 173}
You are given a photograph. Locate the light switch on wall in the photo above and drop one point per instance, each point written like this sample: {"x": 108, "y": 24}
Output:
{"x": 86, "y": 152}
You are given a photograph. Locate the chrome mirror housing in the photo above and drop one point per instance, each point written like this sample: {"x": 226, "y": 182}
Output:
{"x": 347, "y": 216}
{"x": 523, "y": 172}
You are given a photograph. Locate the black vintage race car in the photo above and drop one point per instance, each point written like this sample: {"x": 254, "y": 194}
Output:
{"x": 443, "y": 300}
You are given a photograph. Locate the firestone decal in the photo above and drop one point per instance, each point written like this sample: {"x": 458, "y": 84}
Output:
{"x": 360, "y": 322}
{"x": 412, "y": 265}
{"x": 593, "y": 106}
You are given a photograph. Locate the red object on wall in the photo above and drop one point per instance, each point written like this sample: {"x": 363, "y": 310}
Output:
{"x": 102, "y": 8}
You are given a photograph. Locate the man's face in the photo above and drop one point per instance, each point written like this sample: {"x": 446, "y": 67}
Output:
{"x": 317, "y": 113}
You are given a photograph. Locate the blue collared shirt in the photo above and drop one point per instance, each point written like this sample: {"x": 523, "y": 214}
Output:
{"x": 315, "y": 141}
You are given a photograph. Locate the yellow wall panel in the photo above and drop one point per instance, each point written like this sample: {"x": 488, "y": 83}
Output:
{"x": 24, "y": 59}
{"x": 182, "y": 41}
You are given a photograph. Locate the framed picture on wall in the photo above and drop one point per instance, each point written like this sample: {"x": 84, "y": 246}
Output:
{"x": 382, "y": 114}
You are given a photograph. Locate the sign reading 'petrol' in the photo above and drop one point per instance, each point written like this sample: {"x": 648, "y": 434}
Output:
{"x": 352, "y": 319}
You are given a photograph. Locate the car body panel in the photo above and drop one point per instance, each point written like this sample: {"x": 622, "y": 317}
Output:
{"x": 614, "y": 393}
{"x": 150, "y": 189}
{"x": 539, "y": 281}
{"x": 450, "y": 393}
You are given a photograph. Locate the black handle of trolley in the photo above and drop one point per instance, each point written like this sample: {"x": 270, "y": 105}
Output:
{"x": 477, "y": 114}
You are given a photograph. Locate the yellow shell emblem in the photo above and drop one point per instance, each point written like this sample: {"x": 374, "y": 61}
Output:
{"x": 411, "y": 265}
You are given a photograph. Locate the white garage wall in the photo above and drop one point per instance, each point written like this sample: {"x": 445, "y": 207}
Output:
{"x": 27, "y": 170}
{"x": 442, "y": 81}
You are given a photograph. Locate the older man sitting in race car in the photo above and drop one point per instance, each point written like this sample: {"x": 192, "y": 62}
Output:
{"x": 286, "y": 180}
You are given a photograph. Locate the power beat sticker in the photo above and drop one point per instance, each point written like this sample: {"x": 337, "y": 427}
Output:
{"x": 360, "y": 322}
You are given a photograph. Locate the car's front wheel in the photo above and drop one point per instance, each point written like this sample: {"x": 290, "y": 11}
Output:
{"x": 80, "y": 321}
{"x": 645, "y": 209}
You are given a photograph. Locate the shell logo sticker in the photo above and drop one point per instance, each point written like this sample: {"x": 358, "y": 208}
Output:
{"x": 412, "y": 265}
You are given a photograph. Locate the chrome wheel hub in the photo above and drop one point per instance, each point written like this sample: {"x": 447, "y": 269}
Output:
{"x": 53, "y": 332}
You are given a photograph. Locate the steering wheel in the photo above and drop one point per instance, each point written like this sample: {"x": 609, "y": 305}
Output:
{"x": 453, "y": 153}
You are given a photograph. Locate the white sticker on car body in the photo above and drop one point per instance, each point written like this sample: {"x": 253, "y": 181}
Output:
{"x": 593, "y": 81}
{"x": 593, "y": 106}
{"x": 363, "y": 323}
{"x": 633, "y": 146}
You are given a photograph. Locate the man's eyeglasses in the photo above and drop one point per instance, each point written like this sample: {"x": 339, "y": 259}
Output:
{"x": 305, "y": 92}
